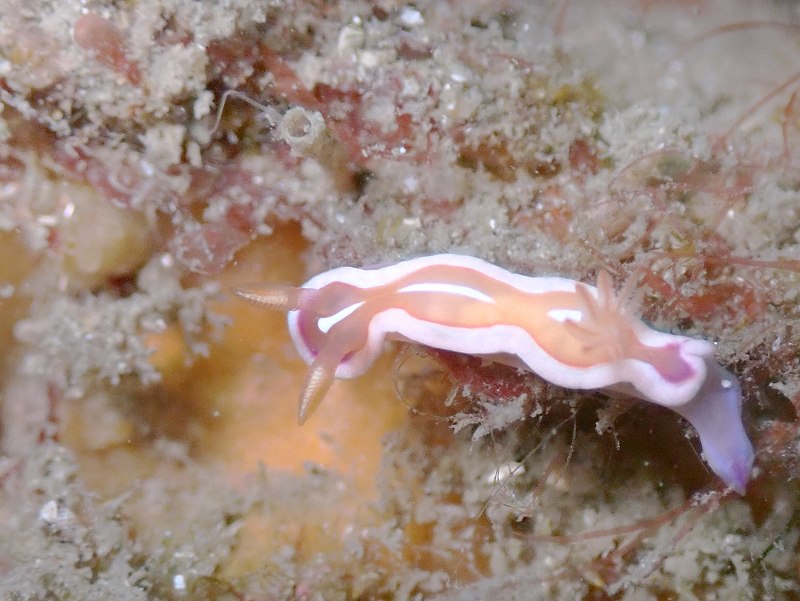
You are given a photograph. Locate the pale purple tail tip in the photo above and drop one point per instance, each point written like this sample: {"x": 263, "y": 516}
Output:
{"x": 716, "y": 414}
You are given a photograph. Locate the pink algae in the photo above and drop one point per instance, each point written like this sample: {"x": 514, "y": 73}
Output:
{"x": 98, "y": 35}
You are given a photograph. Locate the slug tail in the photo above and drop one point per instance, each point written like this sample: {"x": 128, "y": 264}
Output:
{"x": 716, "y": 414}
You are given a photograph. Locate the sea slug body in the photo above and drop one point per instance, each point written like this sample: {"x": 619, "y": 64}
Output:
{"x": 572, "y": 334}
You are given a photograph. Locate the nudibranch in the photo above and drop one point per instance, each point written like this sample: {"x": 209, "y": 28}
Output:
{"x": 570, "y": 333}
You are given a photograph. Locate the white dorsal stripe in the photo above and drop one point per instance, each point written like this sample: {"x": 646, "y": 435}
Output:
{"x": 326, "y": 323}
{"x": 562, "y": 315}
{"x": 448, "y": 289}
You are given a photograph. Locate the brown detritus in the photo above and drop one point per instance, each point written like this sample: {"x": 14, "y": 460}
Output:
{"x": 548, "y": 213}
{"x": 495, "y": 159}
{"x": 583, "y": 157}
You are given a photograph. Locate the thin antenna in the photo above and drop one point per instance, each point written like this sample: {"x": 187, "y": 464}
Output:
{"x": 270, "y": 113}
